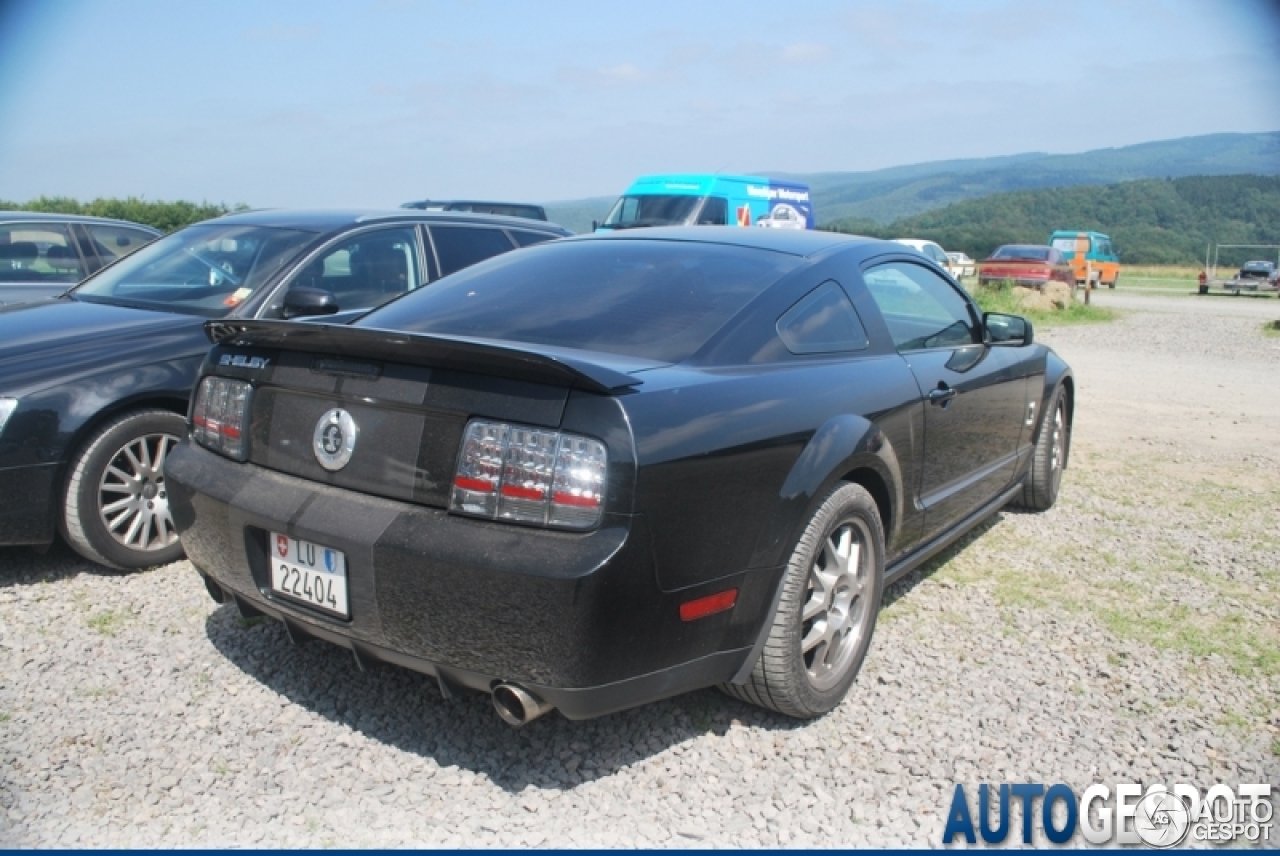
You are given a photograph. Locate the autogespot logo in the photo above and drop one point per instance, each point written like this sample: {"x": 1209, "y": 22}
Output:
{"x": 1157, "y": 817}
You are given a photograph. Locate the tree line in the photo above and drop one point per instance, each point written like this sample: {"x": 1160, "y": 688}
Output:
{"x": 1151, "y": 221}
{"x": 165, "y": 216}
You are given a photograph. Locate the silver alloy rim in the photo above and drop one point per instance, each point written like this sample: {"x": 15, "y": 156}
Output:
{"x": 835, "y": 612}
{"x": 132, "y": 500}
{"x": 1055, "y": 448}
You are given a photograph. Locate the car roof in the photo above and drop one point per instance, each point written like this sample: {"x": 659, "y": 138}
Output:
{"x": 47, "y": 216}
{"x": 806, "y": 242}
{"x": 329, "y": 220}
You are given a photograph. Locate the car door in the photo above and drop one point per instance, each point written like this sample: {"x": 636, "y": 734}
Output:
{"x": 975, "y": 395}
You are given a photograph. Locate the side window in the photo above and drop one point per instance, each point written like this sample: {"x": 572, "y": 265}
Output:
{"x": 461, "y": 246}
{"x": 921, "y": 309}
{"x": 715, "y": 212}
{"x": 822, "y": 322}
{"x": 935, "y": 252}
{"x": 38, "y": 252}
{"x": 528, "y": 239}
{"x": 115, "y": 242}
{"x": 366, "y": 270}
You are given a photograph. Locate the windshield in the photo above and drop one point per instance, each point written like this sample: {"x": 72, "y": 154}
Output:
{"x": 201, "y": 270}
{"x": 631, "y": 212}
{"x": 1065, "y": 245}
{"x": 661, "y": 300}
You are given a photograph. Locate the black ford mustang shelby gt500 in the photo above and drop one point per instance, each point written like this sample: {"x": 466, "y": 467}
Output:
{"x": 616, "y": 468}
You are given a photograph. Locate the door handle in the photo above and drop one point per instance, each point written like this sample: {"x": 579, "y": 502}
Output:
{"x": 942, "y": 395}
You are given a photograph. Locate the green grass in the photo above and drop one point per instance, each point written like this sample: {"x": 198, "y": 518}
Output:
{"x": 107, "y": 623}
{"x": 4, "y": 716}
{"x": 1270, "y": 330}
{"x": 1001, "y": 298}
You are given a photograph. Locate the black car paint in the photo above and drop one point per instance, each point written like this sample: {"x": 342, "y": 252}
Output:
{"x": 716, "y": 466}
{"x": 74, "y": 364}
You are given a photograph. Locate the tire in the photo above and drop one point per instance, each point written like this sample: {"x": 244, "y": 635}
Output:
{"x": 842, "y": 598}
{"x": 115, "y": 511}
{"x": 1040, "y": 490}
{"x": 1114, "y": 282}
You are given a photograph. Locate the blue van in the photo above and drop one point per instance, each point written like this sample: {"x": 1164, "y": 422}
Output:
{"x": 712, "y": 200}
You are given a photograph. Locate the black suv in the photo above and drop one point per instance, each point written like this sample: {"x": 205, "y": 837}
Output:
{"x": 94, "y": 383}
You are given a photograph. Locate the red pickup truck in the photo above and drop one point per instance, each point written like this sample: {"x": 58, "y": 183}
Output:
{"x": 1029, "y": 265}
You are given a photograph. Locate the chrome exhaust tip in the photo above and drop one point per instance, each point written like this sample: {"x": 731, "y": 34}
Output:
{"x": 516, "y": 705}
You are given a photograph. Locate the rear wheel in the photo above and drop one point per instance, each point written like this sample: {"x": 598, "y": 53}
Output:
{"x": 116, "y": 509}
{"x": 830, "y": 599}
{"x": 1114, "y": 282}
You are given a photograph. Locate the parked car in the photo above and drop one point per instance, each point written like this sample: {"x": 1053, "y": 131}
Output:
{"x": 1086, "y": 252}
{"x": 931, "y": 251}
{"x": 1029, "y": 265}
{"x": 618, "y": 467}
{"x": 507, "y": 209}
{"x": 94, "y": 384}
{"x": 42, "y": 255}
{"x": 962, "y": 265}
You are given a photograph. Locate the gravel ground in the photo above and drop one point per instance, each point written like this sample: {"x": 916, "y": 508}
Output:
{"x": 1128, "y": 635}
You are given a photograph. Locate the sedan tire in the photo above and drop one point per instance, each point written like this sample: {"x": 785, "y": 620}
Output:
{"x": 116, "y": 511}
{"x": 830, "y": 598}
{"x": 1040, "y": 490}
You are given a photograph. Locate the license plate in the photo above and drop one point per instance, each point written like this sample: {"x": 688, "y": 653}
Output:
{"x": 311, "y": 573}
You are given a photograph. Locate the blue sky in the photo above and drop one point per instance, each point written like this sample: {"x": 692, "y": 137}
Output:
{"x": 375, "y": 102}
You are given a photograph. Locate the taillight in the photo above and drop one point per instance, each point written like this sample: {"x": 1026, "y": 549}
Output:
{"x": 529, "y": 475}
{"x": 220, "y": 414}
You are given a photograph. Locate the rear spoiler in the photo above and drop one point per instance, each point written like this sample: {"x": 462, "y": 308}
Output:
{"x": 589, "y": 370}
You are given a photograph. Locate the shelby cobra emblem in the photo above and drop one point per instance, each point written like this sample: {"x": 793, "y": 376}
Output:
{"x": 335, "y": 439}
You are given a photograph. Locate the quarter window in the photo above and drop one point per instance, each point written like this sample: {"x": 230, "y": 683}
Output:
{"x": 528, "y": 239}
{"x": 921, "y": 309}
{"x": 822, "y": 322}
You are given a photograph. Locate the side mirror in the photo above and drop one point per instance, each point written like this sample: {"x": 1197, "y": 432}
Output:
{"x": 1007, "y": 329}
{"x": 302, "y": 301}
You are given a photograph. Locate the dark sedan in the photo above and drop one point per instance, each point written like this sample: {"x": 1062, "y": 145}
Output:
{"x": 618, "y": 467}
{"x": 42, "y": 255}
{"x": 94, "y": 385}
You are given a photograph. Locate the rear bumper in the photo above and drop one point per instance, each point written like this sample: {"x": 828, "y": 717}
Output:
{"x": 27, "y": 497}
{"x": 576, "y": 618}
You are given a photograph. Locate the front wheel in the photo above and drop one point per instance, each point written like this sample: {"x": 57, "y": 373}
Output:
{"x": 1040, "y": 490}
{"x": 116, "y": 509}
{"x": 822, "y": 629}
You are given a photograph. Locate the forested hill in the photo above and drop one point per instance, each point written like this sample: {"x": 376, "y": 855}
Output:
{"x": 885, "y": 195}
{"x": 1155, "y": 221}
{"x": 890, "y": 194}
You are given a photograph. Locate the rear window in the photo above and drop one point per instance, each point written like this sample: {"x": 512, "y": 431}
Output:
{"x": 1037, "y": 254}
{"x": 654, "y": 299}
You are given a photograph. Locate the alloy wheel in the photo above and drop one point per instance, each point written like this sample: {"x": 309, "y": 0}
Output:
{"x": 132, "y": 499}
{"x": 836, "y": 609}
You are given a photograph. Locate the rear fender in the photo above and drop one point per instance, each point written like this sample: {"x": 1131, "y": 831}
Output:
{"x": 844, "y": 444}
